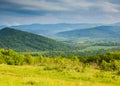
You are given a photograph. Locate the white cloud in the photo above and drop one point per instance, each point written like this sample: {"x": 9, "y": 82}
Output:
{"x": 40, "y": 5}
{"x": 66, "y": 5}
{"x": 77, "y": 3}
{"x": 62, "y": 5}
{"x": 12, "y": 24}
{"x": 109, "y": 7}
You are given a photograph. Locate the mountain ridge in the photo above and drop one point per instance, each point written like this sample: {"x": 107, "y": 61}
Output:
{"x": 96, "y": 32}
{"x": 49, "y": 30}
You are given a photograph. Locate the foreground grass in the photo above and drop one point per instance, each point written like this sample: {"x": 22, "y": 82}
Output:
{"x": 38, "y": 76}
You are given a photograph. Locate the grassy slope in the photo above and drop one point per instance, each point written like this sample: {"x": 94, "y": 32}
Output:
{"x": 37, "y": 76}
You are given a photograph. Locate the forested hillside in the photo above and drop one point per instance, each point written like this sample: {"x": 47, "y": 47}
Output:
{"x": 25, "y": 41}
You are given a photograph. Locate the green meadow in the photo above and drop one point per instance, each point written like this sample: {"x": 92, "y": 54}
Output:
{"x": 27, "y": 70}
{"x": 37, "y": 76}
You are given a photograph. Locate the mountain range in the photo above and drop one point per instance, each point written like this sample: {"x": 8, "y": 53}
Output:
{"x": 95, "y": 32}
{"x": 49, "y": 30}
{"x": 64, "y": 31}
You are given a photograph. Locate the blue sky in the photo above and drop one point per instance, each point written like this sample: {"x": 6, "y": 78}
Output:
{"x": 18, "y": 12}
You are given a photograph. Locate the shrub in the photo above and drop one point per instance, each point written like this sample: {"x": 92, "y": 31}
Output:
{"x": 11, "y": 57}
{"x": 28, "y": 59}
{"x": 105, "y": 66}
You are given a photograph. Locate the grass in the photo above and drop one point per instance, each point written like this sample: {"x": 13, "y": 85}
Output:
{"x": 38, "y": 76}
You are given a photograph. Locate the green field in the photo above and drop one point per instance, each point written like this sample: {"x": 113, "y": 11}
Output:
{"x": 38, "y": 76}
{"x": 27, "y": 70}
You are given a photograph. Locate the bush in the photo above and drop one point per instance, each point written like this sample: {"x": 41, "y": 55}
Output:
{"x": 11, "y": 57}
{"x": 105, "y": 66}
{"x": 112, "y": 65}
{"x": 28, "y": 59}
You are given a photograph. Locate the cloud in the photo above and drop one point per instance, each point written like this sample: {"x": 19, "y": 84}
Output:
{"x": 60, "y": 5}
{"x": 39, "y": 5}
{"x": 110, "y": 7}
{"x": 59, "y": 11}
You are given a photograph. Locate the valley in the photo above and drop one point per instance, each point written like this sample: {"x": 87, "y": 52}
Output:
{"x": 74, "y": 37}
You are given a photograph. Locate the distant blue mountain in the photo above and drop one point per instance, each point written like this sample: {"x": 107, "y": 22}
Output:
{"x": 2, "y": 26}
{"x": 116, "y": 24}
{"x": 51, "y": 29}
{"x": 96, "y": 32}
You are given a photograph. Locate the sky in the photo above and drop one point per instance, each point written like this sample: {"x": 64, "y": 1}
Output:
{"x": 19, "y": 12}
